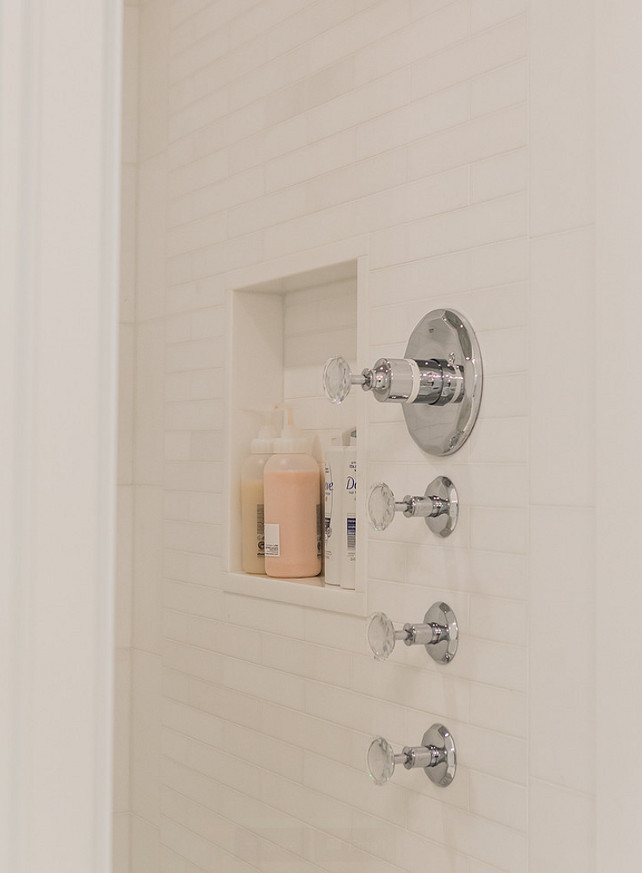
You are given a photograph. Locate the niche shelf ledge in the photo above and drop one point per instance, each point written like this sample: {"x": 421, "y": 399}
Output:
{"x": 311, "y": 593}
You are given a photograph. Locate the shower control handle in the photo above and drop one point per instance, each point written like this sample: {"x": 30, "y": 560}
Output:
{"x": 438, "y": 506}
{"x": 401, "y": 380}
{"x": 438, "y": 382}
{"x": 436, "y": 756}
{"x": 438, "y": 633}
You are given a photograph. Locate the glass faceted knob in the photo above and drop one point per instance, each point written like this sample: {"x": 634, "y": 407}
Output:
{"x": 337, "y": 379}
{"x": 381, "y": 506}
{"x": 381, "y": 761}
{"x": 381, "y": 636}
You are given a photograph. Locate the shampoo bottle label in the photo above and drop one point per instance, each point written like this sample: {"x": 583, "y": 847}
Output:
{"x": 260, "y": 530}
{"x": 319, "y": 531}
{"x": 329, "y": 494}
{"x": 333, "y": 521}
{"x": 349, "y": 544}
{"x": 351, "y": 519}
{"x": 272, "y": 544}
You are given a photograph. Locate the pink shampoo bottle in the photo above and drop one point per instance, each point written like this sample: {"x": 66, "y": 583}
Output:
{"x": 293, "y": 509}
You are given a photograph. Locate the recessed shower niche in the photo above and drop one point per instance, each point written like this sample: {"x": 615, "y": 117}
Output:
{"x": 281, "y": 333}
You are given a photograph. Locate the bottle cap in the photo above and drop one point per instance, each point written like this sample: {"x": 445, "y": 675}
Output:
{"x": 264, "y": 442}
{"x": 291, "y": 440}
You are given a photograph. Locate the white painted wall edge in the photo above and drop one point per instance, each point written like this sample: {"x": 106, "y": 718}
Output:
{"x": 59, "y": 194}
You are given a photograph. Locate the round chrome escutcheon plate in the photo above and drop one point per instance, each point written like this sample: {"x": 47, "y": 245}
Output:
{"x": 443, "y": 773}
{"x": 445, "y": 335}
{"x": 444, "y": 524}
{"x": 445, "y": 650}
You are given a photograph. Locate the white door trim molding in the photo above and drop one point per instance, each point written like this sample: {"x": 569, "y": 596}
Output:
{"x": 59, "y": 196}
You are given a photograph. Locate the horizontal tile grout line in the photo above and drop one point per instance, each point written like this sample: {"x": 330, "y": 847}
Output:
{"x": 471, "y": 506}
{"x": 176, "y": 25}
{"x": 590, "y": 795}
{"x": 221, "y": 849}
{"x": 410, "y": 669}
{"x": 134, "y": 648}
{"x": 463, "y": 292}
{"x": 264, "y": 33}
{"x": 262, "y": 260}
{"x": 264, "y": 631}
{"x": 222, "y": 117}
{"x": 320, "y": 755}
{"x": 297, "y": 398}
{"x": 282, "y": 812}
{"x": 192, "y": 283}
{"x": 260, "y": 769}
{"x": 172, "y": 199}
{"x": 317, "y": 718}
{"x": 141, "y": 816}
{"x": 346, "y": 689}
{"x": 220, "y": 246}
{"x": 451, "y": 805}
{"x": 573, "y": 507}
{"x": 315, "y": 609}
{"x": 173, "y": 84}
{"x": 350, "y": 615}
{"x": 563, "y": 232}
{"x": 355, "y": 202}
{"x": 194, "y": 868}
{"x": 279, "y": 57}
{"x": 281, "y": 23}
{"x": 455, "y": 462}
{"x": 283, "y": 636}
{"x": 460, "y": 549}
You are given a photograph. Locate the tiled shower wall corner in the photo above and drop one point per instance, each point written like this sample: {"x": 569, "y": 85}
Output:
{"x": 451, "y": 142}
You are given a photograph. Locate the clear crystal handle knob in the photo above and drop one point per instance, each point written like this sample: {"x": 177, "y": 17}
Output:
{"x": 381, "y": 506}
{"x": 338, "y": 378}
{"x": 382, "y": 636}
{"x": 381, "y": 761}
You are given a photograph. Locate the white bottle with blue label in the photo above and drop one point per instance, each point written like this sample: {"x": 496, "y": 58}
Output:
{"x": 349, "y": 515}
{"x": 333, "y": 467}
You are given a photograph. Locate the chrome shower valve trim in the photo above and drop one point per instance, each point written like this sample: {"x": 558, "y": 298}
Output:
{"x": 402, "y": 380}
{"x": 436, "y": 756}
{"x": 438, "y": 381}
{"x": 438, "y": 633}
{"x": 439, "y": 506}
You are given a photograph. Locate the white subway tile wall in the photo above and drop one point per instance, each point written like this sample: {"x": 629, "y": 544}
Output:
{"x": 274, "y": 137}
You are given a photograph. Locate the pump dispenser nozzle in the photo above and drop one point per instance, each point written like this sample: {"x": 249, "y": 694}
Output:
{"x": 291, "y": 440}
{"x": 288, "y": 420}
{"x": 262, "y": 444}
